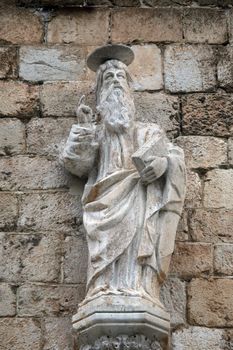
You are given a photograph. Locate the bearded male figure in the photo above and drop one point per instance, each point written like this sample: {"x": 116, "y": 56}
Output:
{"x": 134, "y": 194}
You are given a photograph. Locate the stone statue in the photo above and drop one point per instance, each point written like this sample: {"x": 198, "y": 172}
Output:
{"x": 135, "y": 190}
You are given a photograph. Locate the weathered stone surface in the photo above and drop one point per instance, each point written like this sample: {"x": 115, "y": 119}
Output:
{"x": 208, "y": 114}
{"x": 158, "y": 25}
{"x": 12, "y": 137}
{"x": 19, "y": 26}
{"x": 205, "y": 26}
{"x": 183, "y": 229}
{"x": 58, "y": 333}
{"x": 47, "y": 211}
{"x": 218, "y": 189}
{"x": 75, "y": 260}
{"x": 18, "y": 99}
{"x": 200, "y": 338}
{"x": 194, "y": 190}
{"x": 23, "y": 172}
{"x": 61, "y": 99}
{"x": 211, "y": 302}
{"x": 30, "y": 257}
{"x": 8, "y": 210}
{"x": 44, "y": 136}
{"x": 7, "y": 300}
{"x": 8, "y": 59}
{"x": 189, "y": 68}
{"x": 39, "y": 300}
{"x": 223, "y": 259}
{"x": 203, "y": 152}
{"x": 224, "y": 68}
{"x": 173, "y": 296}
{"x": 158, "y": 108}
{"x": 191, "y": 259}
{"x": 81, "y": 26}
{"x": 52, "y": 63}
{"x": 230, "y": 151}
{"x": 20, "y": 333}
{"x": 51, "y": 2}
{"x": 211, "y": 226}
{"x": 146, "y": 69}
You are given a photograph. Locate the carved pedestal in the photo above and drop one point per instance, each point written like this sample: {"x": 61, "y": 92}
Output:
{"x": 121, "y": 322}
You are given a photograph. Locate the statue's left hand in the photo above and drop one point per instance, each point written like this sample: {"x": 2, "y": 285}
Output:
{"x": 154, "y": 170}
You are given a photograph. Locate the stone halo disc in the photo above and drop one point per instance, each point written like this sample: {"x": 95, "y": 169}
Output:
{"x": 102, "y": 54}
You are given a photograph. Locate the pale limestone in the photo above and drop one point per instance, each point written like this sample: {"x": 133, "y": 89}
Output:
{"x": 146, "y": 69}
{"x": 8, "y": 210}
{"x": 158, "y": 108}
{"x": 71, "y": 27}
{"x": 30, "y": 257}
{"x": 7, "y": 299}
{"x": 20, "y": 333}
{"x": 173, "y": 296}
{"x": 205, "y": 26}
{"x": 189, "y": 68}
{"x": 203, "y": 152}
{"x": 158, "y": 25}
{"x": 192, "y": 259}
{"x": 18, "y": 99}
{"x": 211, "y": 302}
{"x": 224, "y": 68}
{"x": 45, "y": 136}
{"x": 12, "y": 137}
{"x": 230, "y": 151}
{"x": 218, "y": 189}
{"x": 58, "y": 333}
{"x": 200, "y": 338}
{"x": 194, "y": 190}
{"x": 8, "y": 59}
{"x": 51, "y": 300}
{"x": 24, "y": 172}
{"x": 52, "y": 63}
{"x": 223, "y": 259}
{"x": 47, "y": 211}
{"x": 211, "y": 225}
{"x": 75, "y": 260}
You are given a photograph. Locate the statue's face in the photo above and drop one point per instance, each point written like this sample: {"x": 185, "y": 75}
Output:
{"x": 116, "y": 78}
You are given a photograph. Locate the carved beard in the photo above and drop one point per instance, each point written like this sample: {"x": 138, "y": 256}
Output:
{"x": 116, "y": 109}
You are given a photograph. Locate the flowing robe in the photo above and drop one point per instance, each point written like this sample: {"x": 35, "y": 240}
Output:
{"x": 130, "y": 227}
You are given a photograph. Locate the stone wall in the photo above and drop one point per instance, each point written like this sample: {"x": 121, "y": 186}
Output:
{"x": 183, "y": 79}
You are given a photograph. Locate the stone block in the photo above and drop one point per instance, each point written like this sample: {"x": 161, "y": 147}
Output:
{"x": 18, "y": 99}
{"x": 211, "y": 225}
{"x": 230, "y": 151}
{"x": 52, "y": 63}
{"x": 203, "y": 152}
{"x": 19, "y": 26}
{"x": 194, "y": 191}
{"x": 12, "y": 137}
{"x": 8, "y": 59}
{"x": 223, "y": 259}
{"x": 210, "y": 302}
{"x": 47, "y": 136}
{"x": 158, "y": 25}
{"x": 75, "y": 260}
{"x": 224, "y": 68}
{"x": 81, "y": 26}
{"x": 189, "y": 68}
{"x": 8, "y": 210}
{"x": 59, "y": 211}
{"x": 191, "y": 259}
{"x": 146, "y": 69}
{"x": 205, "y": 26}
{"x": 61, "y": 99}
{"x": 208, "y": 114}
{"x": 58, "y": 333}
{"x": 183, "y": 229}
{"x": 158, "y": 108}
{"x": 30, "y": 257}
{"x": 7, "y": 299}
{"x": 218, "y": 189}
{"x": 173, "y": 296}
{"x": 200, "y": 338}
{"x": 23, "y": 172}
{"x": 50, "y": 300}
{"x": 20, "y": 333}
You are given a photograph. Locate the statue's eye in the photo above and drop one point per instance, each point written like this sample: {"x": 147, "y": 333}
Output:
{"x": 108, "y": 76}
{"x": 121, "y": 75}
